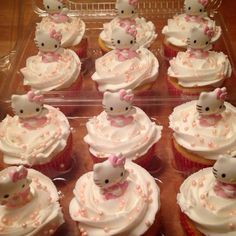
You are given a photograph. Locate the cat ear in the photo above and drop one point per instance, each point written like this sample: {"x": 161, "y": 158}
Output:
{"x": 98, "y": 167}
{"x": 15, "y": 98}
{"x": 107, "y": 96}
{"x": 223, "y": 159}
{"x": 203, "y": 96}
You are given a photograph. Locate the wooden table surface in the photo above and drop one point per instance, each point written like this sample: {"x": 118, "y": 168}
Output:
{"x": 170, "y": 180}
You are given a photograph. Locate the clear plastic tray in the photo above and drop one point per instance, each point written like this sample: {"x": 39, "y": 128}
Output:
{"x": 87, "y": 102}
{"x": 11, "y": 19}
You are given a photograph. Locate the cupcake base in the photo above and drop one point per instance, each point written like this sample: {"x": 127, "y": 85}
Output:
{"x": 103, "y": 47}
{"x": 143, "y": 161}
{"x": 60, "y": 164}
{"x": 186, "y": 162}
{"x": 176, "y": 90}
{"x": 81, "y": 49}
{"x": 170, "y": 50}
{"x": 188, "y": 226}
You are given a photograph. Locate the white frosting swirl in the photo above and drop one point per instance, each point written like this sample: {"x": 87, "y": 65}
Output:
{"x": 25, "y": 146}
{"x": 177, "y": 29}
{"x": 132, "y": 140}
{"x": 208, "y": 142}
{"x": 130, "y": 214}
{"x": 212, "y": 214}
{"x": 112, "y": 74}
{"x": 146, "y": 32}
{"x": 53, "y": 75}
{"x": 41, "y": 216}
{"x": 72, "y": 31}
{"x": 195, "y": 72}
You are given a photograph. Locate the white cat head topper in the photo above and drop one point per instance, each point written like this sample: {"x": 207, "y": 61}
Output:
{"x": 53, "y": 6}
{"x": 124, "y": 37}
{"x": 224, "y": 169}
{"x": 212, "y": 103}
{"x": 29, "y": 105}
{"x": 200, "y": 38}
{"x": 119, "y": 103}
{"x": 126, "y": 8}
{"x": 195, "y": 7}
{"x": 14, "y": 186}
{"x": 48, "y": 41}
{"x": 111, "y": 176}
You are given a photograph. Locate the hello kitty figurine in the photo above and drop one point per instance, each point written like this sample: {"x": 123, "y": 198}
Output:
{"x": 199, "y": 42}
{"x": 126, "y": 8}
{"x": 225, "y": 174}
{"x": 118, "y": 107}
{"x": 195, "y": 9}
{"x": 56, "y": 10}
{"x": 15, "y": 187}
{"x": 124, "y": 41}
{"x": 111, "y": 176}
{"x": 48, "y": 45}
{"x": 210, "y": 105}
{"x": 30, "y": 109}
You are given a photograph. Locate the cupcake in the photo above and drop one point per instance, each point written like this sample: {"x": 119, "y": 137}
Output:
{"x": 28, "y": 203}
{"x": 72, "y": 28}
{"x": 207, "y": 200}
{"x": 116, "y": 198}
{"x": 53, "y": 68}
{"x": 126, "y": 67}
{"x": 198, "y": 69}
{"x": 203, "y": 130}
{"x": 177, "y": 29}
{"x": 127, "y": 12}
{"x": 38, "y": 136}
{"x": 121, "y": 127}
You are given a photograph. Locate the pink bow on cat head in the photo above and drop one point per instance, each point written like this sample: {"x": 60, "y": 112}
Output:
{"x": 127, "y": 96}
{"x": 221, "y": 93}
{"x": 34, "y": 97}
{"x": 117, "y": 160}
{"x": 203, "y": 2}
{"x": 209, "y": 32}
{"x": 18, "y": 173}
{"x": 133, "y": 2}
{"x": 129, "y": 27}
{"x": 55, "y": 35}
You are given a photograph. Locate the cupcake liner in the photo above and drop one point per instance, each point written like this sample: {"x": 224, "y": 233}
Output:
{"x": 186, "y": 165}
{"x": 60, "y": 164}
{"x": 188, "y": 226}
{"x": 103, "y": 47}
{"x": 143, "y": 161}
{"x": 81, "y": 49}
{"x": 172, "y": 90}
{"x": 169, "y": 52}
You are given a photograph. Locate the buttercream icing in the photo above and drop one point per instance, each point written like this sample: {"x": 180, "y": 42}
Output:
{"x": 40, "y": 215}
{"x": 132, "y": 213}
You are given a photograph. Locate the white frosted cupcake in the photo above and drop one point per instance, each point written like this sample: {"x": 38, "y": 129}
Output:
{"x": 122, "y": 128}
{"x": 203, "y": 130}
{"x": 126, "y": 11}
{"x": 126, "y": 67}
{"x": 28, "y": 203}
{"x": 71, "y": 28}
{"x": 207, "y": 200}
{"x": 37, "y": 136}
{"x": 177, "y": 29}
{"x": 117, "y": 198}
{"x": 198, "y": 69}
{"x": 53, "y": 68}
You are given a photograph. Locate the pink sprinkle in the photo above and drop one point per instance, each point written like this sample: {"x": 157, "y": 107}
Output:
{"x": 24, "y": 225}
{"x": 148, "y": 224}
{"x": 210, "y": 145}
{"x": 194, "y": 183}
{"x": 138, "y": 209}
{"x": 185, "y": 120}
{"x": 106, "y": 229}
{"x": 202, "y": 196}
{"x": 200, "y": 184}
{"x": 202, "y": 140}
{"x": 100, "y": 213}
{"x": 193, "y": 144}
{"x": 186, "y": 128}
{"x": 231, "y": 226}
